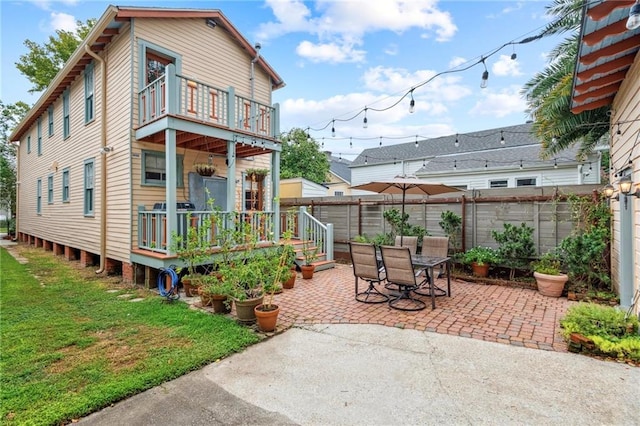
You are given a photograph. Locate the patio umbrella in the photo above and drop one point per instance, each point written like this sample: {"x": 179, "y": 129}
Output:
{"x": 405, "y": 185}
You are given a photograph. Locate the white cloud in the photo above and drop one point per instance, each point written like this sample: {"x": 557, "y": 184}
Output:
{"x": 505, "y": 66}
{"x": 62, "y": 21}
{"x": 46, "y": 4}
{"x": 499, "y": 104}
{"x": 329, "y": 52}
{"x": 343, "y": 24}
{"x": 456, "y": 61}
{"x": 391, "y": 49}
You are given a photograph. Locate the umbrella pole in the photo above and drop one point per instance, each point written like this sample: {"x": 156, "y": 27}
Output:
{"x": 402, "y": 219}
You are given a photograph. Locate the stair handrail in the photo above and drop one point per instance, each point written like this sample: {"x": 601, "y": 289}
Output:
{"x": 311, "y": 229}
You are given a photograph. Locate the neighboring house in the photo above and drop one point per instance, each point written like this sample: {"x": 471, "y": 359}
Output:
{"x": 608, "y": 74}
{"x": 497, "y": 158}
{"x": 301, "y": 187}
{"x": 339, "y": 183}
{"x": 107, "y": 155}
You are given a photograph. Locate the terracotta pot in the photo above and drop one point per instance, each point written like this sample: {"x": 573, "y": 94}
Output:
{"x": 307, "y": 271}
{"x": 550, "y": 285}
{"x": 291, "y": 281}
{"x": 219, "y": 305}
{"x": 190, "y": 290}
{"x": 266, "y": 319}
{"x": 480, "y": 270}
{"x": 245, "y": 311}
{"x": 205, "y": 298}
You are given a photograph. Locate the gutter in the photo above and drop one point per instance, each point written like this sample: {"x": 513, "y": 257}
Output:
{"x": 103, "y": 159}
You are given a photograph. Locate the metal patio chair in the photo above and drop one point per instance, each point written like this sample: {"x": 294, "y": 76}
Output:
{"x": 399, "y": 269}
{"x": 365, "y": 267}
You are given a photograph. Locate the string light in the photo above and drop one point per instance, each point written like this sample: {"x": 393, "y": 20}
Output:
{"x": 333, "y": 128}
{"x": 455, "y": 164}
{"x": 555, "y": 163}
{"x": 456, "y": 143}
{"x": 485, "y": 76}
{"x": 380, "y": 140}
{"x": 412, "y": 104}
{"x": 501, "y": 137}
{"x": 618, "y": 132}
{"x": 364, "y": 121}
{"x": 520, "y": 164}
{"x": 417, "y": 141}
{"x": 486, "y": 164}
{"x": 350, "y": 143}
{"x": 365, "y": 160}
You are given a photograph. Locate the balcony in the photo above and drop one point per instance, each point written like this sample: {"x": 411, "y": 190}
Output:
{"x": 205, "y": 116}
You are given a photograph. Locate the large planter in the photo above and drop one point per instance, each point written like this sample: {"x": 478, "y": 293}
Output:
{"x": 267, "y": 319}
{"x": 218, "y": 301}
{"x": 205, "y": 298}
{"x": 190, "y": 290}
{"x": 550, "y": 285}
{"x": 245, "y": 309}
{"x": 307, "y": 271}
{"x": 480, "y": 270}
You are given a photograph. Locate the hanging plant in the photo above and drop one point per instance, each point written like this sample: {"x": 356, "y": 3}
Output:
{"x": 256, "y": 174}
{"x": 204, "y": 169}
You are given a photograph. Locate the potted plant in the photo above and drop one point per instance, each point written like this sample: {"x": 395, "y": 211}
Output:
{"x": 204, "y": 169}
{"x": 309, "y": 253}
{"x": 549, "y": 278}
{"x": 275, "y": 267}
{"x": 256, "y": 174}
{"x": 214, "y": 292}
{"x": 480, "y": 258}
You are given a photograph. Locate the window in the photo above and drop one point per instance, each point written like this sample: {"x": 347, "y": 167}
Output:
{"x": 50, "y": 111}
{"x": 88, "y": 187}
{"x": 88, "y": 93}
{"x": 50, "y": 189}
{"x": 526, "y": 182}
{"x": 154, "y": 170}
{"x": 253, "y": 194}
{"x": 156, "y": 66}
{"x": 338, "y": 193}
{"x": 39, "y": 136}
{"x": 39, "y": 196}
{"x": 65, "y": 185}
{"x": 502, "y": 183}
{"x": 28, "y": 144}
{"x": 66, "y": 124}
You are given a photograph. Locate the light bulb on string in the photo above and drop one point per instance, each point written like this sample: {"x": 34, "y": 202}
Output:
{"x": 366, "y": 160}
{"x": 486, "y": 164}
{"x": 380, "y": 140}
{"x": 514, "y": 55}
{"x": 456, "y": 144}
{"x": 333, "y": 128}
{"x": 416, "y": 141}
{"x": 323, "y": 142}
{"x": 501, "y": 137}
{"x": 455, "y": 164}
{"x": 555, "y": 163}
{"x": 364, "y": 121}
{"x": 520, "y": 164}
{"x": 412, "y": 104}
{"x": 485, "y": 76}
{"x": 350, "y": 142}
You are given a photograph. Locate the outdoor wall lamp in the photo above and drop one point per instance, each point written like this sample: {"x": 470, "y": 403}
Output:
{"x": 634, "y": 17}
{"x": 625, "y": 184}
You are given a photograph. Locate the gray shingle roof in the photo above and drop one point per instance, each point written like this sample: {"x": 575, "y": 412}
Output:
{"x": 470, "y": 145}
{"x": 340, "y": 168}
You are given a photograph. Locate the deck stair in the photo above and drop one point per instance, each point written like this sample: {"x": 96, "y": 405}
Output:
{"x": 321, "y": 263}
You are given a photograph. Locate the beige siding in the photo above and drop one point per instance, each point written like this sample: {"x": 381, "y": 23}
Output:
{"x": 119, "y": 94}
{"x": 208, "y": 55}
{"x": 626, "y": 109}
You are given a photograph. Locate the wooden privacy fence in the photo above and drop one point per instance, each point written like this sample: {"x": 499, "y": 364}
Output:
{"x": 545, "y": 209}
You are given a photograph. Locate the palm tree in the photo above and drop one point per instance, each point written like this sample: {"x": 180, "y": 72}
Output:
{"x": 548, "y": 93}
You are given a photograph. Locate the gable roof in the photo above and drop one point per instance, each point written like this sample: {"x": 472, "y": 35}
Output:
{"x": 605, "y": 54}
{"x": 340, "y": 168}
{"x": 109, "y": 25}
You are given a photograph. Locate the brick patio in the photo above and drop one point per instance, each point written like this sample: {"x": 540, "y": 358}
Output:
{"x": 514, "y": 316}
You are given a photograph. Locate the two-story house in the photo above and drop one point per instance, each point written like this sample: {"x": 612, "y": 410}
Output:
{"x": 506, "y": 157}
{"x": 607, "y": 74}
{"x": 108, "y": 155}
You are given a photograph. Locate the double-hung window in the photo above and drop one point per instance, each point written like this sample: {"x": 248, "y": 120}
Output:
{"x": 50, "y": 117}
{"x": 88, "y": 187}
{"x": 39, "y": 127}
{"x": 65, "y": 185}
{"x": 66, "y": 123}
{"x": 88, "y": 93}
{"x": 50, "y": 189}
{"x": 154, "y": 169}
{"x": 39, "y": 196}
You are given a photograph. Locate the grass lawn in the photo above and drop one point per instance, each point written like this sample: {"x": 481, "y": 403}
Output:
{"x": 69, "y": 347}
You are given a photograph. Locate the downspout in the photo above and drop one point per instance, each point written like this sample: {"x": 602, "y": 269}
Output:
{"x": 103, "y": 161}
{"x": 15, "y": 237}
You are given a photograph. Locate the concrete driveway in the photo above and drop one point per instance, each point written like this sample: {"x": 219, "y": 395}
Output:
{"x": 375, "y": 375}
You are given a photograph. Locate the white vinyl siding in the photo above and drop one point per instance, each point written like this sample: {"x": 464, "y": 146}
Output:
{"x": 65, "y": 185}
{"x": 89, "y": 183}
{"x": 88, "y": 94}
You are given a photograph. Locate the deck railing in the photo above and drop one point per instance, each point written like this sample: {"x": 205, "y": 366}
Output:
{"x": 188, "y": 97}
{"x": 320, "y": 235}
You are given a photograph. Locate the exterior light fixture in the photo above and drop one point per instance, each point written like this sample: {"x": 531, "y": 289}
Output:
{"x": 364, "y": 121}
{"x": 555, "y": 163}
{"x": 416, "y": 141}
{"x": 520, "y": 164}
{"x": 608, "y": 191}
{"x": 634, "y": 17}
{"x": 485, "y": 76}
{"x": 333, "y": 128}
{"x": 486, "y": 164}
{"x": 501, "y": 138}
{"x": 625, "y": 183}
{"x": 455, "y": 164}
{"x": 412, "y": 104}
{"x": 380, "y": 140}
{"x": 350, "y": 142}
{"x": 457, "y": 144}
{"x": 365, "y": 160}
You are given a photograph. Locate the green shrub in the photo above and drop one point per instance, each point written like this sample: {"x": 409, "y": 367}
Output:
{"x": 516, "y": 246}
{"x": 613, "y": 333}
{"x": 480, "y": 255}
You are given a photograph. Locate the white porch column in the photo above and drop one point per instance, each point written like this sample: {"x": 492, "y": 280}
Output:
{"x": 275, "y": 191}
{"x": 231, "y": 176}
{"x": 170, "y": 186}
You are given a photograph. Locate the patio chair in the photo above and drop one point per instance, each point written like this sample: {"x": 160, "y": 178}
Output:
{"x": 365, "y": 267}
{"x": 399, "y": 270}
{"x": 408, "y": 241}
{"x": 436, "y": 247}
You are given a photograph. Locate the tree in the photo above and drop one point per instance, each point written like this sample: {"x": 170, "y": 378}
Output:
{"x": 10, "y": 116}
{"x": 43, "y": 61}
{"x": 301, "y": 157}
{"x": 548, "y": 93}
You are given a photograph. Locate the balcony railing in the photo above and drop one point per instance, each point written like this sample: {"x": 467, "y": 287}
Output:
{"x": 187, "y": 97}
{"x": 153, "y": 235}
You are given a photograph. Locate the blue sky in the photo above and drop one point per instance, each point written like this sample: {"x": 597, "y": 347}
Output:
{"x": 339, "y": 57}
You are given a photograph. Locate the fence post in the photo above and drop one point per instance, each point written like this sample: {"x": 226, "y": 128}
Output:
{"x": 329, "y": 241}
